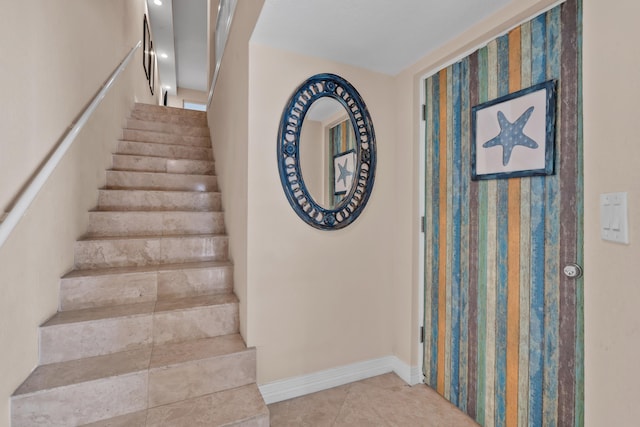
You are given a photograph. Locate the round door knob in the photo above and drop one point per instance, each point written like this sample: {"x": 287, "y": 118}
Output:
{"x": 573, "y": 271}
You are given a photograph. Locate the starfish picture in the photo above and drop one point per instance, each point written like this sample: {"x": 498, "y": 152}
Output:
{"x": 511, "y": 135}
{"x": 344, "y": 172}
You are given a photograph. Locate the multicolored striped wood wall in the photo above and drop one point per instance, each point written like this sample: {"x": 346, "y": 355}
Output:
{"x": 504, "y": 326}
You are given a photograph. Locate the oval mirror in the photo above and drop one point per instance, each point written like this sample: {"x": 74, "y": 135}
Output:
{"x": 326, "y": 152}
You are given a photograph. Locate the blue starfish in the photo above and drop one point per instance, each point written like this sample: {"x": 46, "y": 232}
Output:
{"x": 511, "y": 135}
{"x": 344, "y": 172}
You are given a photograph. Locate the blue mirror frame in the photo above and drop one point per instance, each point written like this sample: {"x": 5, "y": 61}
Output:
{"x": 314, "y": 88}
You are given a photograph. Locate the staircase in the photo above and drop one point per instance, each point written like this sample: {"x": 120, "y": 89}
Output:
{"x": 147, "y": 331}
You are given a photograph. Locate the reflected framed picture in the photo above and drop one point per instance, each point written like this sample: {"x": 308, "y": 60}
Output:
{"x": 152, "y": 77}
{"x": 344, "y": 166}
{"x": 514, "y": 136}
{"x": 146, "y": 46}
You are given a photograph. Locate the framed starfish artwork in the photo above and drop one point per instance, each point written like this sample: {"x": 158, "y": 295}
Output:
{"x": 514, "y": 136}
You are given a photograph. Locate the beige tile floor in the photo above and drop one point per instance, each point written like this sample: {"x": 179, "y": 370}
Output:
{"x": 385, "y": 400}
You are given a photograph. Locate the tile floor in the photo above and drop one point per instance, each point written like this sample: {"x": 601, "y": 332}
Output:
{"x": 385, "y": 400}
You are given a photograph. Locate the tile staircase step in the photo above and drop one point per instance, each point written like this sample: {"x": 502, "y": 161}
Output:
{"x": 241, "y": 407}
{"x": 167, "y": 128}
{"x": 170, "y": 115}
{"x": 168, "y": 223}
{"x": 184, "y": 370}
{"x": 134, "y": 419}
{"x": 160, "y": 181}
{"x": 124, "y": 384}
{"x": 150, "y": 200}
{"x": 170, "y": 111}
{"x": 162, "y": 164}
{"x": 165, "y": 138}
{"x": 164, "y": 150}
{"x": 82, "y": 289}
{"x": 106, "y": 252}
{"x": 83, "y": 391}
{"x": 76, "y": 334}
{"x": 190, "y": 318}
{"x": 238, "y": 407}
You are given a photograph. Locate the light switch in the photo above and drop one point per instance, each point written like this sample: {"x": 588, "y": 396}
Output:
{"x": 613, "y": 217}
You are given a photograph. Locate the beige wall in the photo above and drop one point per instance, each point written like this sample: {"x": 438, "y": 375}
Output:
{"x": 228, "y": 121}
{"x": 56, "y": 55}
{"x": 612, "y": 154}
{"x": 316, "y": 299}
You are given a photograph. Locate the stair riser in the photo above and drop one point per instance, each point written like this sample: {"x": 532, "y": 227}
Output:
{"x": 164, "y": 150}
{"x": 158, "y": 200}
{"x": 81, "y": 403}
{"x": 153, "y": 251}
{"x": 155, "y": 181}
{"x": 193, "y": 282}
{"x": 200, "y": 322}
{"x": 130, "y": 288}
{"x": 76, "y": 340}
{"x": 167, "y": 128}
{"x": 198, "y": 378}
{"x": 165, "y": 138}
{"x": 73, "y": 341}
{"x": 90, "y": 292}
{"x": 172, "y": 111}
{"x": 159, "y": 164}
{"x": 154, "y": 223}
{"x": 169, "y": 118}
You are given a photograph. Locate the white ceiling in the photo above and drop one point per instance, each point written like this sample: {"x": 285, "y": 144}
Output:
{"x": 385, "y": 36}
{"x": 179, "y": 30}
{"x": 190, "y": 31}
{"x": 380, "y": 35}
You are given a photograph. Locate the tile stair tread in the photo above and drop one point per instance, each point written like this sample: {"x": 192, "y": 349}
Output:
{"x": 139, "y": 309}
{"x": 158, "y": 211}
{"x": 150, "y": 237}
{"x": 237, "y": 406}
{"x": 61, "y": 374}
{"x": 140, "y": 106}
{"x": 208, "y": 151}
{"x": 100, "y": 313}
{"x": 208, "y": 161}
{"x": 188, "y": 303}
{"x": 160, "y": 173}
{"x": 153, "y": 156}
{"x": 198, "y": 349}
{"x": 140, "y": 124}
{"x": 146, "y": 269}
{"x": 158, "y": 200}
{"x": 168, "y": 173}
{"x": 160, "y": 191}
{"x": 161, "y": 157}
{"x": 206, "y": 143}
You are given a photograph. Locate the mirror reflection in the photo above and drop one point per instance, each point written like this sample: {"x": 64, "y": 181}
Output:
{"x": 327, "y": 152}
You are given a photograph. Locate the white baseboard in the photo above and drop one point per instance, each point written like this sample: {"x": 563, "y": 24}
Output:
{"x": 290, "y": 388}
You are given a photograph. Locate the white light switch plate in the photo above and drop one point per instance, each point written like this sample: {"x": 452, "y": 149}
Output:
{"x": 614, "y": 226}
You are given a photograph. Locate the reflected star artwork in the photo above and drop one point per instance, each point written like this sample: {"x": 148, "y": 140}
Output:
{"x": 344, "y": 172}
